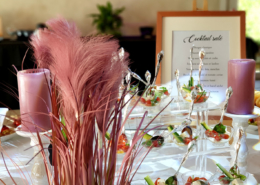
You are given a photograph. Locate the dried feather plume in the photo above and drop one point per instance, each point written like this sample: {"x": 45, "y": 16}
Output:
{"x": 87, "y": 73}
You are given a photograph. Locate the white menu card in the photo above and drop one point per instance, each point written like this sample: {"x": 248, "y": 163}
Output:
{"x": 215, "y": 63}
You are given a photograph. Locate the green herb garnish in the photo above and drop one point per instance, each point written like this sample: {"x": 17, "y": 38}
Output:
{"x": 242, "y": 177}
{"x": 62, "y": 131}
{"x": 201, "y": 94}
{"x": 107, "y": 135}
{"x": 170, "y": 181}
{"x": 147, "y": 143}
{"x": 186, "y": 89}
{"x": 234, "y": 173}
{"x": 164, "y": 89}
{"x": 200, "y": 87}
{"x": 191, "y": 82}
{"x": 220, "y": 128}
{"x": 148, "y": 180}
{"x": 133, "y": 88}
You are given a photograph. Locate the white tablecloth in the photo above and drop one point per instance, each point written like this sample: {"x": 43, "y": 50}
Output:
{"x": 15, "y": 149}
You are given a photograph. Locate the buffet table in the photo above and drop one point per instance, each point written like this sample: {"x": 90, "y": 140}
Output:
{"x": 15, "y": 148}
{"x": 160, "y": 163}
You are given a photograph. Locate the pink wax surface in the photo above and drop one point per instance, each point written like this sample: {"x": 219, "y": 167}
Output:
{"x": 34, "y": 99}
{"x": 241, "y": 77}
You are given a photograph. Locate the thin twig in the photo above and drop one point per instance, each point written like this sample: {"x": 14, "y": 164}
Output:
{"x": 7, "y": 168}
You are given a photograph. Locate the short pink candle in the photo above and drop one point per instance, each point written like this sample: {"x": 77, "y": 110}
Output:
{"x": 35, "y": 99}
{"x": 241, "y": 77}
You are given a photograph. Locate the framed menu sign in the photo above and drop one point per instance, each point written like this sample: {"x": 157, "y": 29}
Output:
{"x": 220, "y": 34}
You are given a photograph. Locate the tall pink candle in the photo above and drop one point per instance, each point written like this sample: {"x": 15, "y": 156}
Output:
{"x": 34, "y": 99}
{"x": 241, "y": 77}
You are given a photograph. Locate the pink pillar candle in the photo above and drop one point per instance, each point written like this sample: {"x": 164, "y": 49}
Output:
{"x": 35, "y": 99}
{"x": 241, "y": 77}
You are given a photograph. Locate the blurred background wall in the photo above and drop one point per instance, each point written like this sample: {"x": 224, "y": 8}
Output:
{"x": 25, "y": 14}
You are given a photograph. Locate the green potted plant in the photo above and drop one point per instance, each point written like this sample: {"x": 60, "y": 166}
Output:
{"x": 108, "y": 20}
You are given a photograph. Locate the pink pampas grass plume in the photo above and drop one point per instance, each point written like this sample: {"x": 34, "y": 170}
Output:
{"x": 87, "y": 73}
{"x": 81, "y": 66}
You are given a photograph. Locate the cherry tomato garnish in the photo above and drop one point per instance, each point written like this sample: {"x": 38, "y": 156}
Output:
{"x": 224, "y": 136}
{"x": 156, "y": 144}
{"x": 122, "y": 143}
{"x": 217, "y": 137}
{"x": 214, "y": 132}
{"x": 203, "y": 178}
{"x": 196, "y": 178}
{"x": 222, "y": 180}
{"x": 122, "y": 139}
{"x": 209, "y": 133}
{"x": 148, "y": 103}
{"x": 125, "y": 148}
{"x": 17, "y": 123}
{"x": 190, "y": 179}
{"x": 143, "y": 100}
{"x": 156, "y": 182}
{"x": 187, "y": 140}
{"x": 166, "y": 93}
{"x": 120, "y": 146}
{"x": 5, "y": 130}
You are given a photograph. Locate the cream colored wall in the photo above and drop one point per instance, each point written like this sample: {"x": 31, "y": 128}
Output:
{"x": 25, "y": 14}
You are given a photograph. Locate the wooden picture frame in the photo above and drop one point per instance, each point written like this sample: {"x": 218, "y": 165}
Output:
{"x": 1, "y": 27}
{"x": 234, "y": 21}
